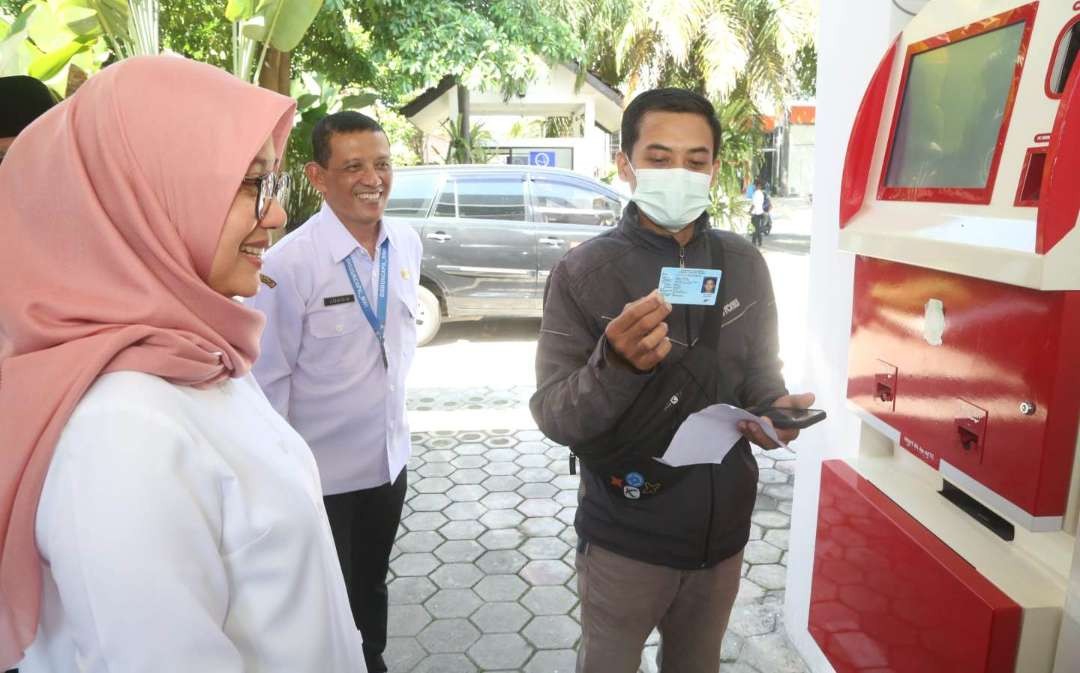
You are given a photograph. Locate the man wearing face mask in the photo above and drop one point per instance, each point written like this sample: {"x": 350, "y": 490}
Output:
{"x": 658, "y": 546}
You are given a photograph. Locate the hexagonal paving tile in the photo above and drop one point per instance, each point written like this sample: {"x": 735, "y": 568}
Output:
{"x": 501, "y": 500}
{"x": 428, "y": 502}
{"x": 450, "y": 603}
{"x": 768, "y": 576}
{"x": 502, "y": 469}
{"x": 537, "y": 490}
{"x": 433, "y": 485}
{"x": 425, "y": 521}
{"x": 470, "y": 476}
{"x": 772, "y": 476}
{"x": 459, "y": 551}
{"x": 407, "y": 620}
{"x": 466, "y": 493}
{"x": 501, "y": 562}
{"x": 549, "y": 600}
{"x": 435, "y": 469}
{"x": 457, "y": 575}
{"x": 464, "y": 462}
{"x": 462, "y": 530}
{"x": 502, "y": 518}
{"x": 439, "y": 456}
{"x": 536, "y": 474}
{"x": 501, "y": 617}
{"x": 502, "y": 483}
{"x": 501, "y": 455}
{"x": 506, "y": 538}
{"x": 448, "y": 635}
{"x": 752, "y": 619}
{"x": 552, "y": 632}
{"x": 778, "y": 537}
{"x": 402, "y": 654}
{"x": 414, "y": 565}
{"x": 552, "y": 661}
{"x": 464, "y": 511}
{"x": 496, "y": 588}
{"x": 542, "y": 527}
{"x": 532, "y": 447}
{"x": 540, "y": 549}
{"x": 758, "y": 551}
{"x": 543, "y": 573}
{"x": 410, "y": 590}
{"x": 539, "y": 507}
{"x": 419, "y": 541}
{"x": 768, "y": 519}
{"x": 500, "y": 651}
{"x": 471, "y": 449}
{"x": 445, "y": 663}
{"x": 532, "y": 460}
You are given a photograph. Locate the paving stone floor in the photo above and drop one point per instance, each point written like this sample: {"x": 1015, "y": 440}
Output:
{"x": 483, "y": 569}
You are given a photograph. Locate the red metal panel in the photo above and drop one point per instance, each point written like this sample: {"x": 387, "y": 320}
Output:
{"x": 864, "y": 132}
{"x": 1059, "y": 204}
{"x": 1002, "y": 345}
{"x": 887, "y": 595}
{"x": 982, "y": 195}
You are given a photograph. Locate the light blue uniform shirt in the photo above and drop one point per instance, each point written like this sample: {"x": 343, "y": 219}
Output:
{"x": 320, "y": 364}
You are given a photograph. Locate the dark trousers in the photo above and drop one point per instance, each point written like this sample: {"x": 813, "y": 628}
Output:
{"x": 757, "y": 224}
{"x": 364, "y": 524}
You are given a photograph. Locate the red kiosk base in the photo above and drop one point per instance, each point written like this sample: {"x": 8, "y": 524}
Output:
{"x": 887, "y": 595}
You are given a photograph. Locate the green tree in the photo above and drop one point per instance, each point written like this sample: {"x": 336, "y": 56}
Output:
{"x": 738, "y": 53}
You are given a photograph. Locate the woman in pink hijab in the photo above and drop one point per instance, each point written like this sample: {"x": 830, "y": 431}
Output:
{"x": 156, "y": 514}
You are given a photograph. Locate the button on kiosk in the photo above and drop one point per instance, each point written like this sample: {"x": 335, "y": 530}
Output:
{"x": 946, "y": 545}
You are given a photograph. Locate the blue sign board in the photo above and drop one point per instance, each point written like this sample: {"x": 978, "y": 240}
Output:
{"x": 542, "y": 157}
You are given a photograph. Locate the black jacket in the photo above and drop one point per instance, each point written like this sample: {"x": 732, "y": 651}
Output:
{"x": 582, "y": 391}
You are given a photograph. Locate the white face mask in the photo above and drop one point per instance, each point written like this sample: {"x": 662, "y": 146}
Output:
{"x": 671, "y": 197}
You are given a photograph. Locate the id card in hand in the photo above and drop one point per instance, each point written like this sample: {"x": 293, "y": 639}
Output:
{"x": 690, "y": 286}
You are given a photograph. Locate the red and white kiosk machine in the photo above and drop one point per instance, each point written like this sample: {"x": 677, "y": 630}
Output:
{"x": 946, "y": 545}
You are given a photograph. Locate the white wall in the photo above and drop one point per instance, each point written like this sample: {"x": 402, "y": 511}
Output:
{"x": 852, "y": 37}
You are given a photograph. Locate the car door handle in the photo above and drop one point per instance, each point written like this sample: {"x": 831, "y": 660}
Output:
{"x": 552, "y": 242}
{"x": 438, "y": 236}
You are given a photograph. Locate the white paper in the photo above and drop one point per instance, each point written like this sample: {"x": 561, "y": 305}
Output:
{"x": 708, "y": 435}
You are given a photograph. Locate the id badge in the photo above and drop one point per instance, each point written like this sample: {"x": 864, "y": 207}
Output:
{"x": 697, "y": 287}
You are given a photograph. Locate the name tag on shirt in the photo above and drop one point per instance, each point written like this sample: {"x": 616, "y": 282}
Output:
{"x": 697, "y": 287}
{"x": 340, "y": 299}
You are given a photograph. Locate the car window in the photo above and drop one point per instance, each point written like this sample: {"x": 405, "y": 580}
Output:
{"x": 568, "y": 203}
{"x": 411, "y": 194}
{"x": 483, "y": 198}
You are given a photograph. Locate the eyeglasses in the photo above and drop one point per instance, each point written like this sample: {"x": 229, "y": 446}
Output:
{"x": 271, "y": 186}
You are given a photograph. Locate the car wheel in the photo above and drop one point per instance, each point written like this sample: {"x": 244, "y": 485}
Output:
{"x": 428, "y": 317}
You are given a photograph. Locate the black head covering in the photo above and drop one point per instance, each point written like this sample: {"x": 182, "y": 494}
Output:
{"x": 22, "y": 100}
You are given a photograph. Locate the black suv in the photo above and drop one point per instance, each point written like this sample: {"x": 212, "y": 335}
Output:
{"x": 492, "y": 234}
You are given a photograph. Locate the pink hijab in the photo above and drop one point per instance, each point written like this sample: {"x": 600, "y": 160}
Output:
{"x": 111, "y": 206}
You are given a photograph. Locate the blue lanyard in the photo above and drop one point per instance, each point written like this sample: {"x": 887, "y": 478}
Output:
{"x": 377, "y": 322}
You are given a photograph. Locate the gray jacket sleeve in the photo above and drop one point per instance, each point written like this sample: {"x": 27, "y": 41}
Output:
{"x": 581, "y": 389}
{"x": 763, "y": 380}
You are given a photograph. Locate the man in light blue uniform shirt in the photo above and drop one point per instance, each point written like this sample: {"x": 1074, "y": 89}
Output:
{"x": 339, "y": 340}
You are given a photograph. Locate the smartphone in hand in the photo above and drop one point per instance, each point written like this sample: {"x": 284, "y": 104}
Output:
{"x": 784, "y": 418}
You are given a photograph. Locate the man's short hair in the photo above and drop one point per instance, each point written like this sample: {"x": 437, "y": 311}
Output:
{"x": 667, "y": 100}
{"x": 346, "y": 121}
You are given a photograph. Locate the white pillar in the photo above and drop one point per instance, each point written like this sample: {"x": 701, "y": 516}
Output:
{"x": 852, "y": 37}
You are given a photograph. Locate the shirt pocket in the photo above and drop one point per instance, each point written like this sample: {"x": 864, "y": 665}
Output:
{"x": 408, "y": 299}
{"x": 334, "y": 341}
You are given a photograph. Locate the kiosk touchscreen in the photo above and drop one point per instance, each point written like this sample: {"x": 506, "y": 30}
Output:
{"x": 946, "y": 543}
